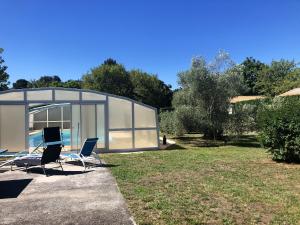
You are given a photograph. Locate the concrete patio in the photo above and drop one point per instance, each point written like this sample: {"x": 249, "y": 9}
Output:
{"x": 70, "y": 197}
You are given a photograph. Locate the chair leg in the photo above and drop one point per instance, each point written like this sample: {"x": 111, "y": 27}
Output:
{"x": 97, "y": 157}
{"x": 26, "y": 167}
{"x": 43, "y": 167}
{"x": 83, "y": 164}
{"x": 60, "y": 165}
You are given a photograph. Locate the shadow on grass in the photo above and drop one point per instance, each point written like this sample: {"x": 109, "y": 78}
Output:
{"x": 12, "y": 188}
{"x": 250, "y": 141}
{"x": 174, "y": 147}
{"x": 196, "y": 140}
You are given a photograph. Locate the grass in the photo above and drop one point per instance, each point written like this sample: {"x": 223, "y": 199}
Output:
{"x": 208, "y": 185}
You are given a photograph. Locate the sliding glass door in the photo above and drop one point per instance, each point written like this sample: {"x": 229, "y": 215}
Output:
{"x": 88, "y": 121}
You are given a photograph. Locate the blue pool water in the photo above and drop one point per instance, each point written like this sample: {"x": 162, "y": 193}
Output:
{"x": 36, "y": 138}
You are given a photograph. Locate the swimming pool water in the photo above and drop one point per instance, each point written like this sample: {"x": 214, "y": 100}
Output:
{"x": 36, "y": 138}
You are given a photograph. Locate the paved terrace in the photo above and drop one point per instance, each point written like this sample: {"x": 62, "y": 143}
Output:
{"x": 70, "y": 197}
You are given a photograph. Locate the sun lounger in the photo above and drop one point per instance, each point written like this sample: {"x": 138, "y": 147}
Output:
{"x": 86, "y": 153}
{"x": 50, "y": 154}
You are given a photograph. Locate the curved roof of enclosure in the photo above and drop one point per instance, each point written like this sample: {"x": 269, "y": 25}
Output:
{"x": 57, "y": 95}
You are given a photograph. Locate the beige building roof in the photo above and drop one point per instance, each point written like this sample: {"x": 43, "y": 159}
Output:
{"x": 245, "y": 98}
{"x": 295, "y": 91}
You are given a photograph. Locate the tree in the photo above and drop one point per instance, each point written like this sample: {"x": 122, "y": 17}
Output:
{"x": 290, "y": 81}
{"x": 110, "y": 62}
{"x": 21, "y": 83}
{"x": 250, "y": 70}
{"x": 109, "y": 77}
{"x": 202, "y": 102}
{"x": 3, "y": 74}
{"x": 273, "y": 76}
{"x": 47, "y": 81}
{"x": 150, "y": 90}
{"x": 73, "y": 84}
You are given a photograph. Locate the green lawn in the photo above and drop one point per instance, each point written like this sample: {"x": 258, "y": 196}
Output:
{"x": 208, "y": 185}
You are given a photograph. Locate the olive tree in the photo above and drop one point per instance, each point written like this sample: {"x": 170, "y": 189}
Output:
{"x": 201, "y": 104}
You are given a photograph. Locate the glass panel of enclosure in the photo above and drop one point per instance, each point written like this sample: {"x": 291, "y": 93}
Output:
{"x": 146, "y": 138}
{"x": 88, "y": 121}
{"x": 62, "y": 95}
{"x": 90, "y": 96}
{"x": 76, "y": 134}
{"x": 12, "y": 127}
{"x": 101, "y": 125}
{"x": 144, "y": 117}
{"x": 120, "y": 113}
{"x": 120, "y": 140}
{"x": 39, "y": 95}
{"x": 92, "y": 124}
{"x": 12, "y": 96}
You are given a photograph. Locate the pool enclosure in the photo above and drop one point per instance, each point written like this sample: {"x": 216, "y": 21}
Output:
{"x": 121, "y": 124}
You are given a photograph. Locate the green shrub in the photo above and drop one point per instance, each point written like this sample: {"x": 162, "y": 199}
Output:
{"x": 243, "y": 118}
{"x": 182, "y": 120}
{"x": 280, "y": 128}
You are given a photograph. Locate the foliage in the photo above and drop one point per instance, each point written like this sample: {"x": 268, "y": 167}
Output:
{"x": 21, "y": 83}
{"x": 168, "y": 124}
{"x": 109, "y": 77}
{"x": 3, "y": 74}
{"x": 113, "y": 78}
{"x": 290, "y": 81}
{"x": 72, "y": 84}
{"x": 203, "y": 97}
{"x": 150, "y": 90}
{"x": 278, "y": 77}
{"x": 243, "y": 119}
{"x": 180, "y": 121}
{"x": 234, "y": 81}
{"x": 280, "y": 128}
{"x": 47, "y": 81}
{"x": 250, "y": 70}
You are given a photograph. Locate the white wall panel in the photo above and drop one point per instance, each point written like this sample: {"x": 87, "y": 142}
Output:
{"x": 146, "y": 138}
{"x": 90, "y": 96}
{"x": 120, "y": 140}
{"x": 12, "y": 96}
{"x": 88, "y": 122}
{"x": 39, "y": 95}
{"x": 120, "y": 113}
{"x": 144, "y": 117}
{"x": 12, "y": 127}
{"x": 62, "y": 95}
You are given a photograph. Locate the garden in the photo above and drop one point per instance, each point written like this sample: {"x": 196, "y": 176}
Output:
{"x": 233, "y": 163}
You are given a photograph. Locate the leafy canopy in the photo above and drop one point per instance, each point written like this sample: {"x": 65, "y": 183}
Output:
{"x": 201, "y": 103}
{"x": 3, "y": 74}
{"x": 150, "y": 90}
{"x": 109, "y": 77}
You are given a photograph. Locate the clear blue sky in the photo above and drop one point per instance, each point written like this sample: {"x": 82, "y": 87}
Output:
{"x": 67, "y": 38}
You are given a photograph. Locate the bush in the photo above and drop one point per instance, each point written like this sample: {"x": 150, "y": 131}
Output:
{"x": 243, "y": 119}
{"x": 280, "y": 128}
{"x": 182, "y": 120}
{"x": 169, "y": 124}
